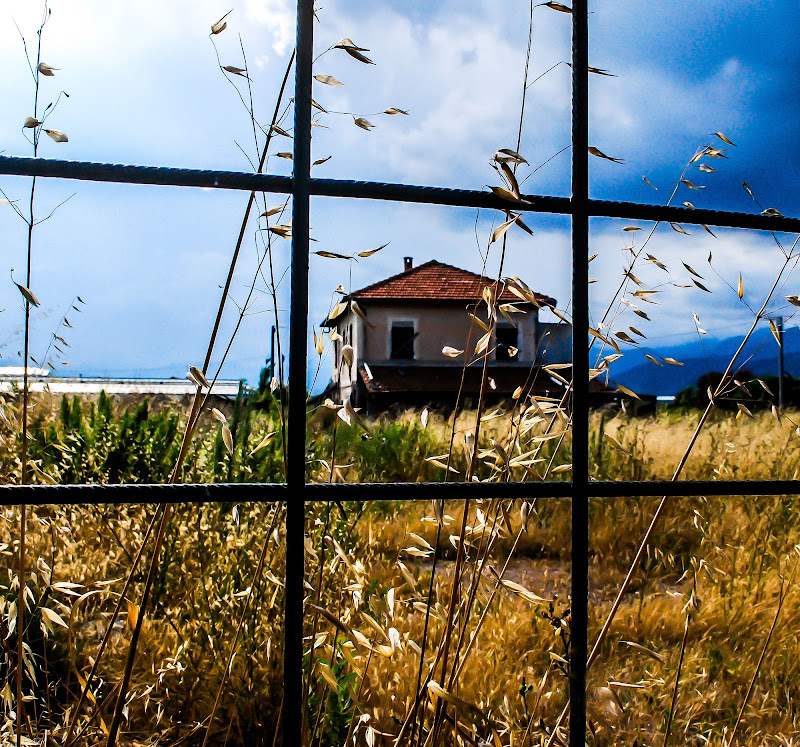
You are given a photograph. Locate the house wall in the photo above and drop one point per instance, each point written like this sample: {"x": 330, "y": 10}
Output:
{"x": 437, "y": 327}
{"x": 351, "y": 328}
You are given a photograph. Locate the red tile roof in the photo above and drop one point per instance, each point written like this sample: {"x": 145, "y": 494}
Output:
{"x": 435, "y": 281}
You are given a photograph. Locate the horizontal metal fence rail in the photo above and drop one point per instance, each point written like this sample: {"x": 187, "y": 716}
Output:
{"x": 445, "y": 196}
{"x": 128, "y": 494}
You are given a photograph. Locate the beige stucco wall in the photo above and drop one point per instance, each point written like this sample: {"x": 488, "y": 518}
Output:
{"x": 436, "y": 328}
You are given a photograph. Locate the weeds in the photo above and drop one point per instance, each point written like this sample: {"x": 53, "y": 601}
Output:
{"x": 424, "y": 630}
{"x": 381, "y": 570}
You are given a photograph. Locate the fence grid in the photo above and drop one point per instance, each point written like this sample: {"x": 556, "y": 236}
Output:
{"x": 297, "y": 492}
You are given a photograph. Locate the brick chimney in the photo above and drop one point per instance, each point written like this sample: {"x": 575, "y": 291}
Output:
{"x": 408, "y": 263}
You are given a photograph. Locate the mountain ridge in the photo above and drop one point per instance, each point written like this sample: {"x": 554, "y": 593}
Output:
{"x": 759, "y": 357}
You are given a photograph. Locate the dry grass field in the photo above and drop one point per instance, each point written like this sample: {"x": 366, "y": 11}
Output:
{"x": 695, "y": 625}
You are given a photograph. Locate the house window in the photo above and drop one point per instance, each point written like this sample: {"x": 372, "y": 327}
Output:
{"x": 402, "y": 340}
{"x": 506, "y": 339}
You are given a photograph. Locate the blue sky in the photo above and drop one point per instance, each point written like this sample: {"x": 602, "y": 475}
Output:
{"x": 145, "y": 88}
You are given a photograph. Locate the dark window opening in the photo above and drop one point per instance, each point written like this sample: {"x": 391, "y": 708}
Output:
{"x": 403, "y": 341}
{"x": 506, "y": 339}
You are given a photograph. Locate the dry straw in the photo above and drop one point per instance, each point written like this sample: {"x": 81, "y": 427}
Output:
{"x": 453, "y": 628}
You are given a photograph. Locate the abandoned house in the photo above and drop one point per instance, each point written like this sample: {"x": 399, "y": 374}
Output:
{"x": 399, "y": 327}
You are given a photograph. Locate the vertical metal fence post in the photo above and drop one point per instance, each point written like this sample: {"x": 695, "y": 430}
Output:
{"x": 580, "y": 372}
{"x": 296, "y": 441}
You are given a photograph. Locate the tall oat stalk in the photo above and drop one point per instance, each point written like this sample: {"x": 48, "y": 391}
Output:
{"x": 187, "y": 437}
{"x": 727, "y": 377}
{"x": 784, "y": 588}
{"x": 675, "y": 687}
{"x": 198, "y": 397}
{"x": 32, "y": 123}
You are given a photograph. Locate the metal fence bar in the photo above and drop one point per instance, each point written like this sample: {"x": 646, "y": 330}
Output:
{"x": 175, "y": 177}
{"x": 154, "y": 175}
{"x": 129, "y": 494}
{"x": 296, "y": 492}
{"x": 548, "y": 489}
{"x": 691, "y": 216}
{"x": 292, "y": 715}
{"x": 579, "y": 553}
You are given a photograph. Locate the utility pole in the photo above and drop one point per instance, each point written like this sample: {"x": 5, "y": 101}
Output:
{"x": 272, "y": 355}
{"x": 779, "y": 325}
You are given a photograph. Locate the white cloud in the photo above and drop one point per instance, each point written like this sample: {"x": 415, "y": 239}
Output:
{"x": 460, "y": 73}
{"x": 646, "y": 107}
{"x": 753, "y": 254}
{"x": 279, "y": 18}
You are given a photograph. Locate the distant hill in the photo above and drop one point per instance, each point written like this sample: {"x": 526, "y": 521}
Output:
{"x": 760, "y": 357}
